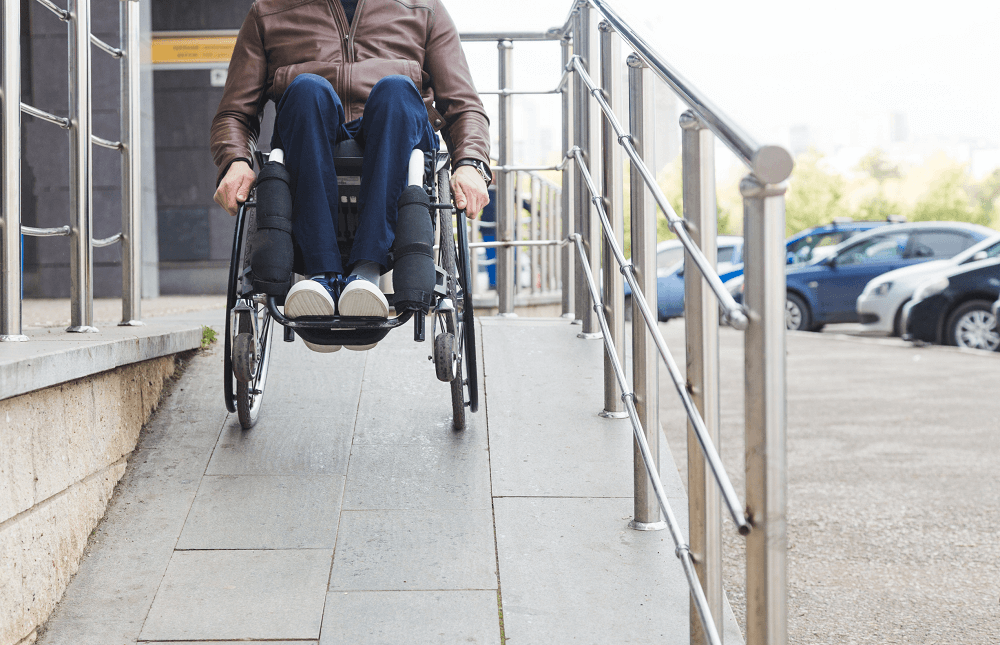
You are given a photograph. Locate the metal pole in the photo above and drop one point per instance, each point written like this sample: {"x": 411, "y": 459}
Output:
{"x": 701, "y": 321}
{"x": 475, "y": 235}
{"x": 584, "y": 123}
{"x": 567, "y": 262}
{"x": 645, "y": 359}
{"x": 543, "y": 233}
{"x": 10, "y": 184}
{"x": 764, "y": 346}
{"x": 131, "y": 166}
{"x": 534, "y": 219}
{"x": 506, "y": 185}
{"x": 81, "y": 260}
{"x": 611, "y": 164}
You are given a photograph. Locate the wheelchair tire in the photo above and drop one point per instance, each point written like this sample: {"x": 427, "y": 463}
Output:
{"x": 468, "y": 314}
{"x": 445, "y": 357}
{"x": 250, "y": 395}
{"x": 232, "y": 295}
{"x": 244, "y": 358}
{"x": 455, "y": 326}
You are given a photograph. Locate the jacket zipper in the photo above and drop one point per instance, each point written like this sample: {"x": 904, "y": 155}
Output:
{"x": 340, "y": 18}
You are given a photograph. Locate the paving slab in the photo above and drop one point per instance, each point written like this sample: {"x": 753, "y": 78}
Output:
{"x": 264, "y": 512}
{"x": 234, "y": 595}
{"x": 422, "y": 402}
{"x": 545, "y": 392}
{"x": 580, "y": 575}
{"x": 404, "y": 550}
{"x": 411, "y": 617}
{"x": 441, "y": 477}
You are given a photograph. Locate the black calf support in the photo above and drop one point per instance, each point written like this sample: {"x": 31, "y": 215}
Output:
{"x": 413, "y": 274}
{"x": 273, "y": 253}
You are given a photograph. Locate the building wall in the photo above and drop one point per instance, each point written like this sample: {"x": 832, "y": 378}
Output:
{"x": 195, "y": 239}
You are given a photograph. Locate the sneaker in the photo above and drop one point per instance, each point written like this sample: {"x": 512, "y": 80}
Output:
{"x": 314, "y": 297}
{"x": 362, "y": 298}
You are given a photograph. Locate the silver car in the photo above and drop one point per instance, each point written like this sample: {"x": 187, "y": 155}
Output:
{"x": 880, "y": 305}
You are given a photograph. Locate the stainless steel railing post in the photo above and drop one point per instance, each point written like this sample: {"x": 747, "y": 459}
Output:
{"x": 534, "y": 220}
{"x": 645, "y": 358}
{"x": 507, "y": 210}
{"x": 131, "y": 135}
{"x": 586, "y": 128}
{"x": 81, "y": 260}
{"x": 611, "y": 165}
{"x": 566, "y": 259}
{"x": 10, "y": 183}
{"x": 764, "y": 346}
{"x": 701, "y": 322}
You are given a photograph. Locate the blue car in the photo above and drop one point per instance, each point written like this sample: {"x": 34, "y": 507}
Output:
{"x": 670, "y": 277}
{"x": 818, "y": 242}
{"x": 826, "y": 290}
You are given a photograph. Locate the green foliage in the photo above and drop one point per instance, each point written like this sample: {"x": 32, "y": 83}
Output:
{"x": 815, "y": 195}
{"x": 208, "y": 336}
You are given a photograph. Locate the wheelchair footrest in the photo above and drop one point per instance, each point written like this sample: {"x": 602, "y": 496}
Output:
{"x": 338, "y": 330}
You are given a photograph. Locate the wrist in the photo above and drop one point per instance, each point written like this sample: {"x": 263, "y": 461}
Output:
{"x": 480, "y": 167}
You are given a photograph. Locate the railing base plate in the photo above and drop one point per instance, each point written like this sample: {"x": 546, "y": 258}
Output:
{"x": 83, "y": 329}
{"x": 14, "y": 338}
{"x": 647, "y": 526}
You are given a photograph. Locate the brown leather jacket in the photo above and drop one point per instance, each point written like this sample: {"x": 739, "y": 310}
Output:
{"x": 281, "y": 39}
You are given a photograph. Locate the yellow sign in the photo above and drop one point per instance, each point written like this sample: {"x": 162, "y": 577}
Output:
{"x": 172, "y": 49}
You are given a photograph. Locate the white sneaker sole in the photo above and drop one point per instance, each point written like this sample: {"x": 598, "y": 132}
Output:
{"x": 307, "y": 298}
{"x": 362, "y": 298}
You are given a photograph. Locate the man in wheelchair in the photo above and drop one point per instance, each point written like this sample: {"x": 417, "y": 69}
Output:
{"x": 388, "y": 74}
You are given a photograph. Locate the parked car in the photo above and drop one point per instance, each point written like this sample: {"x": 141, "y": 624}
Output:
{"x": 954, "y": 307}
{"x": 880, "y": 305}
{"x": 670, "y": 278}
{"x": 818, "y": 242}
{"x": 826, "y": 290}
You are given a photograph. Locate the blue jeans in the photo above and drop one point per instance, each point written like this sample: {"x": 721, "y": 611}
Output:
{"x": 310, "y": 122}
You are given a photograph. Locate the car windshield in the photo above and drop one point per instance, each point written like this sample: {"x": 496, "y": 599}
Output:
{"x": 803, "y": 250}
{"x": 880, "y": 248}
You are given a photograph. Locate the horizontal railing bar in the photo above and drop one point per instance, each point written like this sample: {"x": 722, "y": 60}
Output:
{"x": 108, "y": 241}
{"x": 519, "y": 92}
{"x": 559, "y": 88}
{"x": 681, "y": 549}
{"x": 61, "y": 121}
{"x": 515, "y": 243}
{"x": 741, "y": 143}
{"x": 488, "y": 36}
{"x": 734, "y": 312}
{"x": 104, "y": 143}
{"x": 114, "y": 51}
{"x": 46, "y": 232}
{"x": 697, "y": 422}
{"x": 63, "y": 15}
{"x": 526, "y": 168}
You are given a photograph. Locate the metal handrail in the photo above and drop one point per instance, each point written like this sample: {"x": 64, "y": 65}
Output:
{"x": 628, "y": 270}
{"x": 734, "y": 312}
{"x": 113, "y": 51}
{"x": 773, "y": 164}
{"x": 108, "y": 241}
{"x": 62, "y": 14}
{"x": 681, "y": 548}
{"x": 61, "y": 121}
{"x": 58, "y": 231}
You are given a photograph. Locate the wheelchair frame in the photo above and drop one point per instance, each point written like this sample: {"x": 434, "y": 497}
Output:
{"x": 249, "y": 314}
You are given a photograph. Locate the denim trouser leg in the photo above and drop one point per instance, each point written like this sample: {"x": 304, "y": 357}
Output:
{"x": 394, "y": 123}
{"x": 310, "y": 122}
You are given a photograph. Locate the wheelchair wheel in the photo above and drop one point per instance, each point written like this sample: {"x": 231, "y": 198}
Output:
{"x": 453, "y": 257}
{"x": 246, "y": 357}
{"x": 253, "y": 361}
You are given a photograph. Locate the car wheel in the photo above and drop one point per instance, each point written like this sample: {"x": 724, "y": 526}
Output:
{"x": 973, "y": 325}
{"x": 796, "y": 314}
{"x": 897, "y": 322}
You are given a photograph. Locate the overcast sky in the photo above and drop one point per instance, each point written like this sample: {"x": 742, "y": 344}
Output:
{"x": 774, "y": 64}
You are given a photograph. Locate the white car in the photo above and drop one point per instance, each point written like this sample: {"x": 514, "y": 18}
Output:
{"x": 880, "y": 305}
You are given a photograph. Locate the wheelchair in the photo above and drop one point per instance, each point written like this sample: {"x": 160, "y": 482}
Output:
{"x": 251, "y": 313}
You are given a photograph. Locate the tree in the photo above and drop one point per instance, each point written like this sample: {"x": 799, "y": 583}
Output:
{"x": 815, "y": 195}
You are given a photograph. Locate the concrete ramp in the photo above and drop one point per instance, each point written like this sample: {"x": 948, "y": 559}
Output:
{"x": 353, "y": 513}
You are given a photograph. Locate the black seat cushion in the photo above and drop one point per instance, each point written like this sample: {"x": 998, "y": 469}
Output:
{"x": 348, "y": 149}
